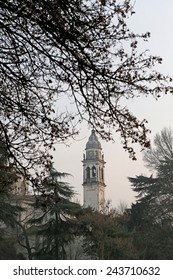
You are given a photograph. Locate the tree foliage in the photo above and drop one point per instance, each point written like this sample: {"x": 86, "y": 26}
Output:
{"x": 80, "y": 50}
{"x": 55, "y": 217}
{"x": 155, "y": 192}
{"x": 107, "y": 236}
{"x": 152, "y": 214}
{"x": 8, "y": 177}
{"x": 8, "y": 211}
{"x": 162, "y": 151}
{"x": 8, "y": 250}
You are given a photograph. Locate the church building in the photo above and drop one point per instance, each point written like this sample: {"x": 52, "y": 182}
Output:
{"x": 93, "y": 174}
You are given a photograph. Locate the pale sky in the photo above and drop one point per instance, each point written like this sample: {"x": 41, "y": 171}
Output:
{"x": 156, "y": 17}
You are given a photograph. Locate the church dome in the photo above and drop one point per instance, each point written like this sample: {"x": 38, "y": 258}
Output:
{"x": 93, "y": 141}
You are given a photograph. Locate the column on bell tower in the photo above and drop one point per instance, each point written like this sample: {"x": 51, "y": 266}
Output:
{"x": 93, "y": 174}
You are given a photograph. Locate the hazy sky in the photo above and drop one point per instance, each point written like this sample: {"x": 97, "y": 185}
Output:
{"x": 156, "y": 17}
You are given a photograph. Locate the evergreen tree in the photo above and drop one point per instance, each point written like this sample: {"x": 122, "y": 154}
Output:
{"x": 156, "y": 192}
{"x": 152, "y": 218}
{"x": 8, "y": 177}
{"x": 8, "y": 211}
{"x": 152, "y": 214}
{"x": 56, "y": 217}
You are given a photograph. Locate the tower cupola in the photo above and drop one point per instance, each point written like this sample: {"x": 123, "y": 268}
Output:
{"x": 93, "y": 142}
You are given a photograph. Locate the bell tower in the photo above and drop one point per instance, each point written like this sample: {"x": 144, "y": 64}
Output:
{"x": 93, "y": 174}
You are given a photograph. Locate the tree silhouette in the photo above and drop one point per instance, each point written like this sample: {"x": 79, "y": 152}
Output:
{"x": 79, "y": 50}
{"x": 152, "y": 214}
{"x": 56, "y": 217}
